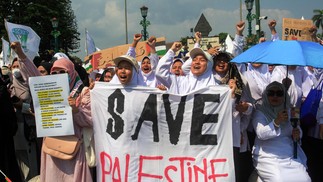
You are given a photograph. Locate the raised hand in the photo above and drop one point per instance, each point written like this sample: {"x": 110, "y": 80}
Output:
{"x": 214, "y": 50}
{"x": 136, "y": 38}
{"x": 198, "y": 37}
{"x": 240, "y": 27}
{"x": 176, "y": 46}
{"x": 272, "y": 24}
{"x": 16, "y": 46}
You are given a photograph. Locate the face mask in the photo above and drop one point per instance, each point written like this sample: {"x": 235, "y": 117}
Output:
{"x": 16, "y": 73}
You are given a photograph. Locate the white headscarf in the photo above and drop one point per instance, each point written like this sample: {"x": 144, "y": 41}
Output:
{"x": 149, "y": 78}
{"x": 266, "y": 108}
{"x": 188, "y": 83}
{"x": 136, "y": 80}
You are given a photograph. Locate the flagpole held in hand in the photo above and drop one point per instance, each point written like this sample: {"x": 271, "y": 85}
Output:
{"x": 6, "y": 178}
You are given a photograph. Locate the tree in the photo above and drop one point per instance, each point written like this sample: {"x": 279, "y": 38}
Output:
{"x": 318, "y": 19}
{"x": 38, "y": 15}
{"x": 222, "y": 37}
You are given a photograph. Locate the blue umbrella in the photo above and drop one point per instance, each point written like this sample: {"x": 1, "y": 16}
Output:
{"x": 300, "y": 53}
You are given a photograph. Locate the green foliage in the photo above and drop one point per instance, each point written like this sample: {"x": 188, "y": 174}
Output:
{"x": 37, "y": 14}
{"x": 184, "y": 40}
{"x": 250, "y": 41}
{"x": 318, "y": 18}
{"x": 222, "y": 37}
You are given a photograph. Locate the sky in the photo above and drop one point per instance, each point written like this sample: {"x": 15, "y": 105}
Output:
{"x": 173, "y": 19}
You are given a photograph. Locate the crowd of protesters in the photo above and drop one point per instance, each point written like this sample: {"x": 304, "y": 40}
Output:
{"x": 261, "y": 95}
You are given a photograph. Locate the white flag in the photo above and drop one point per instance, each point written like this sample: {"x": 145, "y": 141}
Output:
{"x": 26, "y": 36}
{"x": 89, "y": 44}
{"x": 229, "y": 44}
{"x": 5, "y": 52}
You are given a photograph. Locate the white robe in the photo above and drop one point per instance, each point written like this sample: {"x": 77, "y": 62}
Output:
{"x": 257, "y": 78}
{"x": 182, "y": 84}
{"x": 149, "y": 78}
{"x": 273, "y": 152}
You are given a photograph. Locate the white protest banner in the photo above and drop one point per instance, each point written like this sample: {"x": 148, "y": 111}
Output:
{"x": 52, "y": 110}
{"x": 5, "y": 52}
{"x": 142, "y": 135}
{"x": 26, "y": 36}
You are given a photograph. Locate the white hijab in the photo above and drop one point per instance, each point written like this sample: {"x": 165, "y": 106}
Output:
{"x": 136, "y": 80}
{"x": 188, "y": 83}
{"x": 150, "y": 78}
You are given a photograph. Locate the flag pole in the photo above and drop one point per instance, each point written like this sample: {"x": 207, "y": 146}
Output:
{"x": 86, "y": 42}
{"x": 7, "y": 179}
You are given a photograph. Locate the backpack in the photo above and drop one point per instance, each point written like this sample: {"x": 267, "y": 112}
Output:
{"x": 310, "y": 106}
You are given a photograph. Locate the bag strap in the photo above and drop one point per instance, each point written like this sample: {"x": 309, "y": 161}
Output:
{"x": 320, "y": 83}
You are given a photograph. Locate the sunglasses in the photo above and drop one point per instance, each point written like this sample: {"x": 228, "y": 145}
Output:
{"x": 58, "y": 72}
{"x": 43, "y": 71}
{"x": 272, "y": 93}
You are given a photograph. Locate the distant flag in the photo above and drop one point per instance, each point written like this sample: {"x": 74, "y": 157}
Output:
{"x": 228, "y": 44}
{"x": 89, "y": 44}
{"x": 5, "y": 52}
{"x": 26, "y": 36}
{"x": 87, "y": 66}
{"x": 161, "y": 48}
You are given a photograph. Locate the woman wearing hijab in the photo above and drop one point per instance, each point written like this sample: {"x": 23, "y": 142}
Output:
{"x": 107, "y": 74}
{"x": 127, "y": 69}
{"x": 200, "y": 74}
{"x": 273, "y": 148}
{"x": 148, "y": 63}
{"x": 177, "y": 67}
{"x": 226, "y": 73}
{"x": 297, "y": 76}
{"x": 8, "y": 161}
{"x": 44, "y": 68}
{"x": 55, "y": 169}
{"x": 27, "y": 145}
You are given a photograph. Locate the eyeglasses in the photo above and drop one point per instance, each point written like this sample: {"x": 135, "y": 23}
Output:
{"x": 272, "y": 93}
{"x": 58, "y": 72}
{"x": 43, "y": 71}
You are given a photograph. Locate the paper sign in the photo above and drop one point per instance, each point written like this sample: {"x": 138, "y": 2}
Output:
{"x": 206, "y": 43}
{"x": 52, "y": 111}
{"x": 103, "y": 58}
{"x": 296, "y": 29}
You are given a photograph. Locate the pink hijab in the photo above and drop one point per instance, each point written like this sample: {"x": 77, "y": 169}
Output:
{"x": 66, "y": 64}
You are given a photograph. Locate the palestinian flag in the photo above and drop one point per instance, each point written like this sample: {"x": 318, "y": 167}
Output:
{"x": 6, "y": 178}
{"x": 161, "y": 48}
